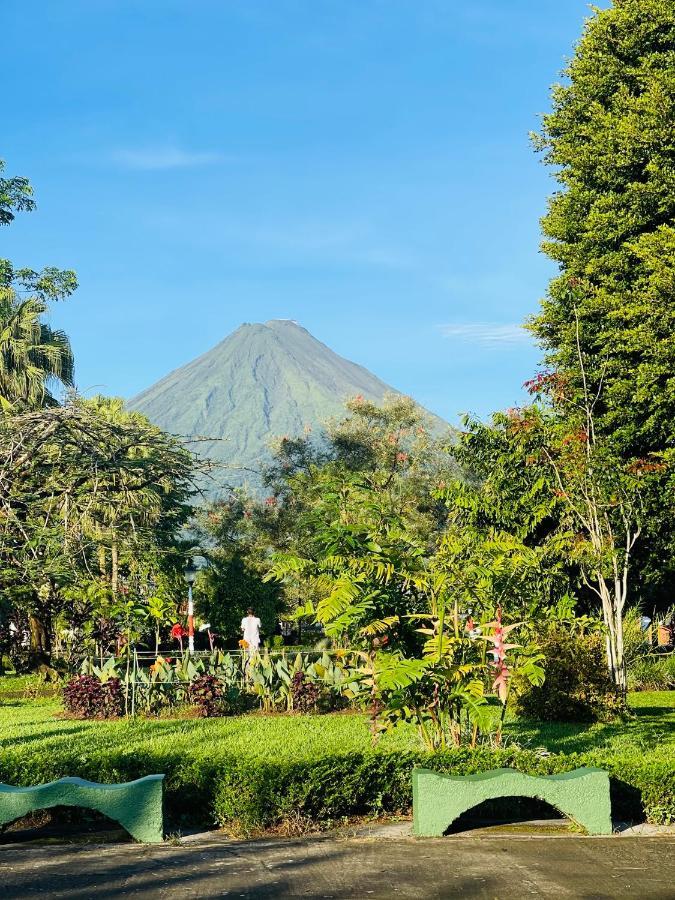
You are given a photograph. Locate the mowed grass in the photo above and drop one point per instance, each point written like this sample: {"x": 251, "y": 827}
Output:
{"x": 36, "y": 725}
{"x": 651, "y": 727}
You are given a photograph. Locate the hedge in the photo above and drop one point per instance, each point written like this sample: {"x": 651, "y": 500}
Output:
{"x": 203, "y": 789}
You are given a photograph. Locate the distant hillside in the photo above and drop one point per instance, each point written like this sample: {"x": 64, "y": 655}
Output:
{"x": 261, "y": 382}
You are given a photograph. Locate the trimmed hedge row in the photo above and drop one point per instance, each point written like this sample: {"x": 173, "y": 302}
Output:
{"x": 204, "y": 789}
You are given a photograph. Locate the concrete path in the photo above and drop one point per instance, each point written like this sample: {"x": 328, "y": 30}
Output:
{"x": 489, "y": 867}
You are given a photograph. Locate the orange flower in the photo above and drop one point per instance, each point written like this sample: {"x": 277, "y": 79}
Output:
{"x": 158, "y": 663}
{"x": 243, "y": 644}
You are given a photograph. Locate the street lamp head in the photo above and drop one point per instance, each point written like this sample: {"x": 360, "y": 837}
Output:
{"x": 190, "y": 572}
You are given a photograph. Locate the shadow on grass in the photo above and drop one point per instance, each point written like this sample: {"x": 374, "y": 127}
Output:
{"x": 66, "y": 730}
{"x": 645, "y": 726}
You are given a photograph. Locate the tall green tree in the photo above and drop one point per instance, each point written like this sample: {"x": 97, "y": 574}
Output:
{"x": 610, "y": 139}
{"x": 34, "y": 357}
{"x": 235, "y": 536}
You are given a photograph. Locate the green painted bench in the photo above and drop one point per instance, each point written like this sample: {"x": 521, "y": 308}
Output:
{"x": 136, "y": 805}
{"x": 438, "y": 800}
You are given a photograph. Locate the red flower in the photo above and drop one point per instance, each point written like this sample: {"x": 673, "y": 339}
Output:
{"x": 178, "y": 632}
{"x": 270, "y": 501}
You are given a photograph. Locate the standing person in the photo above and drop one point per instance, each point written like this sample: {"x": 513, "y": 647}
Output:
{"x": 250, "y": 626}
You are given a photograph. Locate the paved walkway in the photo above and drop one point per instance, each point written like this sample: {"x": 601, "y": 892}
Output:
{"x": 487, "y": 867}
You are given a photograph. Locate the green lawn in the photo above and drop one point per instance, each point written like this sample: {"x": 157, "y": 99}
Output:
{"x": 34, "y": 723}
{"x": 258, "y": 769}
{"x": 32, "y": 726}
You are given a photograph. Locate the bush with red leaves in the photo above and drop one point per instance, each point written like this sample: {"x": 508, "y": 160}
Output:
{"x": 206, "y": 692}
{"x": 86, "y": 697}
{"x": 306, "y": 694}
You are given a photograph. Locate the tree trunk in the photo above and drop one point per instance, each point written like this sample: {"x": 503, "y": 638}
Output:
{"x": 114, "y": 571}
{"x": 40, "y": 639}
{"x": 612, "y": 614}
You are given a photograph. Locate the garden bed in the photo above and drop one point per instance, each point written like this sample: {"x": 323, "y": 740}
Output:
{"x": 253, "y": 772}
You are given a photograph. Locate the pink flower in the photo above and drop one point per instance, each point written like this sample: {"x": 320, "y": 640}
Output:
{"x": 502, "y": 676}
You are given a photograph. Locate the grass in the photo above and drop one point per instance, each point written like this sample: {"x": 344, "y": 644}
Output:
{"x": 651, "y": 728}
{"x": 34, "y": 724}
{"x": 259, "y": 768}
{"x": 35, "y": 721}
{"x": 31, "y": 724}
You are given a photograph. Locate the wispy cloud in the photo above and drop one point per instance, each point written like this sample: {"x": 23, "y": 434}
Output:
{"x": 487, "y": 333}
{"x": 163, "y": 158}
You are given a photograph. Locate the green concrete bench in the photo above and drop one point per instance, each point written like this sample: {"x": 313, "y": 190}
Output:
{"x": 581, "y": 795}
{"x": 136, "y": 805}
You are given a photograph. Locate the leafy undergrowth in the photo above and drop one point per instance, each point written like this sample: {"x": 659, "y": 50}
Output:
{"x": 255, "y": 771}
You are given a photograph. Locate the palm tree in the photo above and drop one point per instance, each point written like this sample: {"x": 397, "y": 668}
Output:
{"x": 34, "y": 358}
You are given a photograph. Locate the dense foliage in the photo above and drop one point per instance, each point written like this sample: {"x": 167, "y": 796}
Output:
{"x": 578, "y": 687}
{"x": 611, "y": 228}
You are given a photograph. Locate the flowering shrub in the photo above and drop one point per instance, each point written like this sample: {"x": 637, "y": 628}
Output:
{"x": 178, "y": 633}
{"x": 87, "y": 697}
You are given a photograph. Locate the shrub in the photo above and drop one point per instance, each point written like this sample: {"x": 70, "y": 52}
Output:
{"x": 305, "y": 693}
{"x": 206, "y": 692}
{"x": 578, "y": 686}
{"x": 635, "y": 641}
{"x": 333, "y": 787}
{"x": 652, "y": 673}
{"x": 86, "y": 697}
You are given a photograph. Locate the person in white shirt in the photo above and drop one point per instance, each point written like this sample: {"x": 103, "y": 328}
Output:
{"x": 250, "y": 626}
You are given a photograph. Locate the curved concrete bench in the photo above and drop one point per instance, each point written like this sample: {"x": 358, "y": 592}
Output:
{"x": 581, "y": 795}
{"x": 136, "y": 805}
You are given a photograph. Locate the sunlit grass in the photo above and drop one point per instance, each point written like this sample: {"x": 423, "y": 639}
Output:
{"x": 36, "y": 725}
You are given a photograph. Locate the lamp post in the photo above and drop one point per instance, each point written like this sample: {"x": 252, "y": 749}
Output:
{"x": 190, "y": 574}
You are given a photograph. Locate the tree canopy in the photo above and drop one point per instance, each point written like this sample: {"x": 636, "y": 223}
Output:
{"x": 611, "y": 226}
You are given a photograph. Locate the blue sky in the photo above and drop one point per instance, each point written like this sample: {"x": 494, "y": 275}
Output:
{"x": 362, "y": 166}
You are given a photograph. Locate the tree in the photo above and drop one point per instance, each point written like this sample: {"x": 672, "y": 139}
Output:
{"x": 16, "y": 195}
{"x": 33, "y": 356}
{"x": 72, "y": 481}
{"x": 390, "y": 447}
{"x": 611, "y": 228}
{"x": 604, "y": 497}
